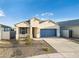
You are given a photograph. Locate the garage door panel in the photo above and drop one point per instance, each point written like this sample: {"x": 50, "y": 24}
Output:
{"x": 48, "y": 32}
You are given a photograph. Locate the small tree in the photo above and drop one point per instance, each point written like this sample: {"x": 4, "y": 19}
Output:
{"x": 28, "y": 40}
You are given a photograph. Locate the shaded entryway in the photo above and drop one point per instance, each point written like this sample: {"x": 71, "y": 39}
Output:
{"x": 34, "y": 32}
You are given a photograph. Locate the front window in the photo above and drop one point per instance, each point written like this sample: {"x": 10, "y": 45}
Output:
{"x": 6, "y": 29}
{"x": 23, "y": 30}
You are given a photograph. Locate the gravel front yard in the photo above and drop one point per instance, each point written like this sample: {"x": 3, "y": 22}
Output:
{"x": 38, "y": 47}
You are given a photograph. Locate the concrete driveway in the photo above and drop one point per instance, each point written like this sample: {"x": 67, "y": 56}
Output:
{"x": 65, "y": 47}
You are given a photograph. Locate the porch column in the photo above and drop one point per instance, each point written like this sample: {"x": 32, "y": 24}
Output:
{"x": 38, "y": 32}
{"x": 31, "y": 32}
{"x": 17, "y": 33}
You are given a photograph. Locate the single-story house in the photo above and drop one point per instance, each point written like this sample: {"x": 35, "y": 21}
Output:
{"x": 37, "y": 28}
{"x": 72, "y": 25}
{"x": 5, "y": 32}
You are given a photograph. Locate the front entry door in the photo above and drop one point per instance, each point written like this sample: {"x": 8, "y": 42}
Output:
{"x": 34, "y": 32}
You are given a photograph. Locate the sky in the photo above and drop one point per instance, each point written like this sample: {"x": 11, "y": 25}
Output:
{"x": 15, "y": 11}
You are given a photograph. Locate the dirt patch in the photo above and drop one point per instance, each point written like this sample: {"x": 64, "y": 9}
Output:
{"x": 23, "y": 50}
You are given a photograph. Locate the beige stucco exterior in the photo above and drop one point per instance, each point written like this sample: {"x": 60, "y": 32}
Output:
{"x": 50, "y": 25}
{"x": 75, "y": 30}
{"x": 34, "y": 23}
{"x": 34, "y": 27}
{"x": 22, "y": 24}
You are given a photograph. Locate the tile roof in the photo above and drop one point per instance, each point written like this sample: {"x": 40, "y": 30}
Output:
{"x": 41, "y": 21}
{"x": 69, "y": 23}
{"x": 5, "y": 25}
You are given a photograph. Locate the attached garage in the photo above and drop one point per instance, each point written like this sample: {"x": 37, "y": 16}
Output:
{"x": 48, "y": 32}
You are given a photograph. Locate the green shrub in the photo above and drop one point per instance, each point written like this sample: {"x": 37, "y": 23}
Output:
{"x": 45, "y": 49}
{"x": 28, "y": 40}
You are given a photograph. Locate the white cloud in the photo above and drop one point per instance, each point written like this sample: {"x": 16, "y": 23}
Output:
{"x": 47, "y": 14}
{"x": 1, "y": 13}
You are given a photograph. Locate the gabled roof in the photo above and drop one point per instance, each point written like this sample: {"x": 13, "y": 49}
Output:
{"x": 28, "y": 20}
{"x": 40, "y": 21}
{"x": 69, "y": 23}
{"x": 49, "y": 21}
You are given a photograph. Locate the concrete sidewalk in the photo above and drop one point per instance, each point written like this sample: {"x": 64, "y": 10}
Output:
{"x": 65, "y": 47}
{"x": 54, "y": 55}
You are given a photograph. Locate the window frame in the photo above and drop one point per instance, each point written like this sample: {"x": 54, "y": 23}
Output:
{"x": 23, "y": 30}
{"x": 6, "y": 29}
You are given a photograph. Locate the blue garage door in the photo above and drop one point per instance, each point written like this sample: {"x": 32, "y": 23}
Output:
{"x": 47, "y": 32}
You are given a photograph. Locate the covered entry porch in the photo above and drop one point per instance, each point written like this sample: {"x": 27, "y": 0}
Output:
{"x": 23, "y": 32}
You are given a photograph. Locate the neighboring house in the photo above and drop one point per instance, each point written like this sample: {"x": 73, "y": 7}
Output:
{"x": 37, "y": 29}
{"x": 72, "y": 25}
{"x": 4, "y": 32}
